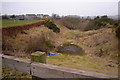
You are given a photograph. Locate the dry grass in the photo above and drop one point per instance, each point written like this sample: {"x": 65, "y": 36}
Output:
{"x": 85, "y": 63}
{"x": 35, "y": 39}
{"x": 9, "y": 74}
{"x": 91, "y": 41}
{"x": 101, "y": 43}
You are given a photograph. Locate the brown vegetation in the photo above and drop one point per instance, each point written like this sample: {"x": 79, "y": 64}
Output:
{"x": 100, "y": 46}
{"x": 14, "y": 30}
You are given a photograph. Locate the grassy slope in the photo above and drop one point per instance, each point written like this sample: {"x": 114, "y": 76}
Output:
{"x": 87, "y": 40}
{"x": 91, "y": 41}
{"x": 87, "y": 63}
{"x": 7, "y": 23}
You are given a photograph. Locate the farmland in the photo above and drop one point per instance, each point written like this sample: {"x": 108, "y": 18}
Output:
{"x": 7, "y": 23}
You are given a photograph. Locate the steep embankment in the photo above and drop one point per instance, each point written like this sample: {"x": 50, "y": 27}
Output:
{"x": 95, "y": 43}
{"x": 100, "y": 43}
{"x": 14, "y": 30}
{"x": 100, "y": 46}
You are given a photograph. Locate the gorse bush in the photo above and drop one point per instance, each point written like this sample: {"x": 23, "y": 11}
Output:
{"x": 50, "y": 24}
{"x": 73, "y": 22}
{"x": 100, "y": 22}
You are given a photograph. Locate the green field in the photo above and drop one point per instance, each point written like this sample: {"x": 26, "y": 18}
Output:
{"x": 7, "y": 23}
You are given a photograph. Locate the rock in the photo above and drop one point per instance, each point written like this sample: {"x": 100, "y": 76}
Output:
{"x": 70, "y": 49}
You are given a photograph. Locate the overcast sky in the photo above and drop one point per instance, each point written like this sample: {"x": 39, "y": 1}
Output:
{"x": 62, "y": 7}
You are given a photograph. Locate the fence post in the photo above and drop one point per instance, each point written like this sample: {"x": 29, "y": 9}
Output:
{"x": 0, "y": 66}
{"x": 38, "y": 57}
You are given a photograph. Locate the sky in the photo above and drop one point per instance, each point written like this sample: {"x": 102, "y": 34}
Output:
{"x": 61, "y": 7}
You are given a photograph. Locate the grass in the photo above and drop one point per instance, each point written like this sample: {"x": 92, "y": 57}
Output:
{"x": 35, "y": 39}
{"x": 85, "y": 63}
{"x": 84, "y": 39}
{"x": 7, "y": 23}
{"x": 9, "y": 73}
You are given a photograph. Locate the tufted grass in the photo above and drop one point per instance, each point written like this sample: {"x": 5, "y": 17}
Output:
{"x": 85, "y": 63}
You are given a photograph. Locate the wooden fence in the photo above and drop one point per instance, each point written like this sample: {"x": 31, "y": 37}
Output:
{"x": 46, "y": 70}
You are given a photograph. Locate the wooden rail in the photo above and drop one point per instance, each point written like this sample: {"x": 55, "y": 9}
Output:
{"x": 47, "y": 71}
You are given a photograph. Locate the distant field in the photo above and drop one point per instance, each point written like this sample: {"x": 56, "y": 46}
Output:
{"x": 7, "y": 23}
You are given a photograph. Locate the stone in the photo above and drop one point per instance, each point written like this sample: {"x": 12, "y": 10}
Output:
{"x": 70, "y": 49}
